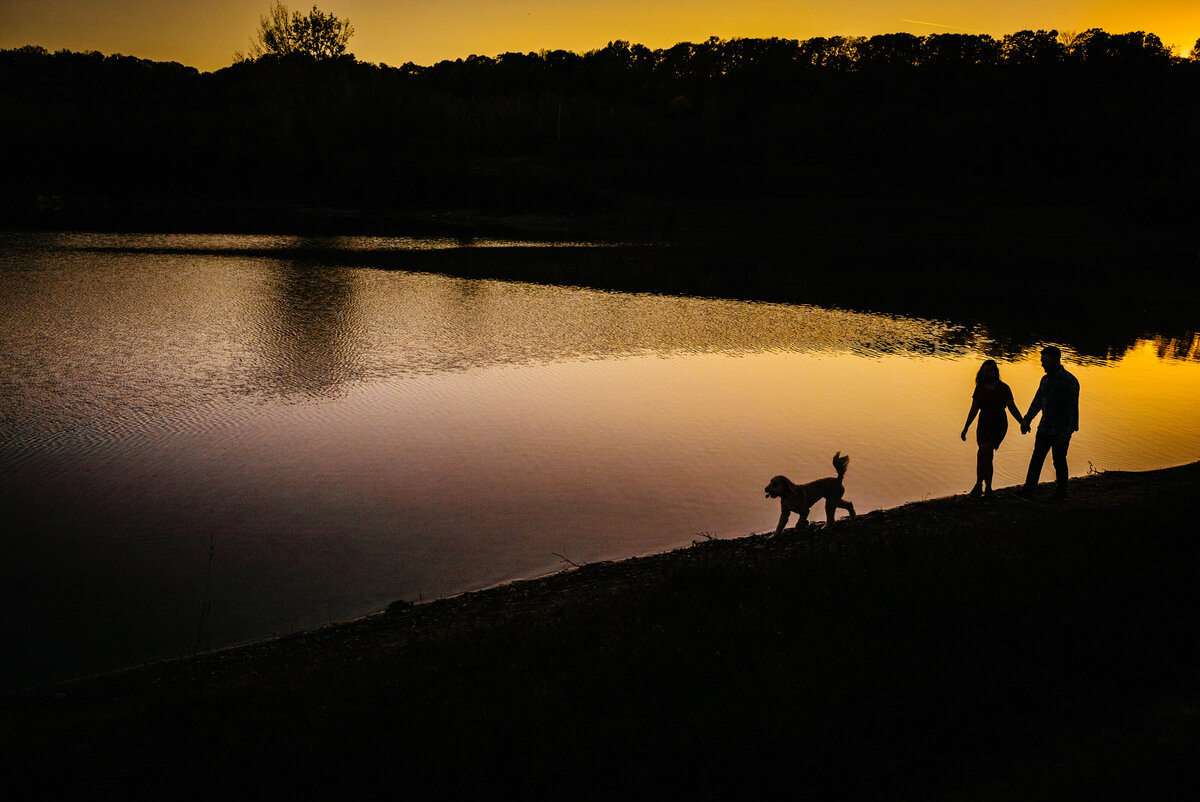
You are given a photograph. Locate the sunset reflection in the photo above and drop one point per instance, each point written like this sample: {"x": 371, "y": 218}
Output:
{"x": 318, "y": 423}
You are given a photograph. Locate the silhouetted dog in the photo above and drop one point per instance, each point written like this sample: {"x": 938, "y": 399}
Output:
{"x": 798, "y": 498}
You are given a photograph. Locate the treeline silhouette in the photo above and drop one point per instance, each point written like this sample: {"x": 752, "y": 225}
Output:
{"x": 1030, "y": 114}
{"x": 890, "y": 154}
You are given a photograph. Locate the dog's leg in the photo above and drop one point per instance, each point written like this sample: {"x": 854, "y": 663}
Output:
{"x": 783, "y": 518}
{"x": 846, "y": 505}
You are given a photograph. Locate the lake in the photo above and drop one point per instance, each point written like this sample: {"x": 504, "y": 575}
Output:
{"x": 207, "y": 441}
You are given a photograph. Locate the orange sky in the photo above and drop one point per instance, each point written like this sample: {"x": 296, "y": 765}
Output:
{"x": 206, "y": 33}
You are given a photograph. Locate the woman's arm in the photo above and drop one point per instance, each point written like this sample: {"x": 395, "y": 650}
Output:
{"x": 970, "y": 417}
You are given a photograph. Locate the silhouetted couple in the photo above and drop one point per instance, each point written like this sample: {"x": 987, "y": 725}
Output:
{"x": 1057, "y": 400}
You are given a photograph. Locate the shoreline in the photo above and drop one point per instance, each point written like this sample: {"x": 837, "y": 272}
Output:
{"x": 940, "y": 648}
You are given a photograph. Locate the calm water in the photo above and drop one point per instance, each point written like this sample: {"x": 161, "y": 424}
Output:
{"x": 201, "y": 445}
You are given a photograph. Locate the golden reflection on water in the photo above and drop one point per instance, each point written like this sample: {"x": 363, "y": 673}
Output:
{"x": 419, "y": 323}
{"x": 101, "y": 347}
{"x": 322, "y": 422}
{"x": 1176, "y": 348}
{"x": 1145, "y": 408}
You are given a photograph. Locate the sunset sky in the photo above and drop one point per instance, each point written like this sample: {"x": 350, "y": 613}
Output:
{"x": 206, "y": 33}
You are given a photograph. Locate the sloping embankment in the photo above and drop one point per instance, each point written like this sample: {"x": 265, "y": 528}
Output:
{"x": 945, "y": 649}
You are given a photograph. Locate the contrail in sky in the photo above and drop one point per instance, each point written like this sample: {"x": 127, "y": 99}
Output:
{"x": 934, "y": 24}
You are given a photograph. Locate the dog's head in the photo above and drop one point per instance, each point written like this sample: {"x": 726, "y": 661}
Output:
{"x": 776, "y": 487}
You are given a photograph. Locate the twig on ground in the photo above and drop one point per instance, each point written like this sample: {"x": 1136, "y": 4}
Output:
{"x": 564, "y": 559}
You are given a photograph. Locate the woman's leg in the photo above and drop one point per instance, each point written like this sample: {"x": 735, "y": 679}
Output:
{"x": 984, "y": 467}
{"x": 977, "y": 490}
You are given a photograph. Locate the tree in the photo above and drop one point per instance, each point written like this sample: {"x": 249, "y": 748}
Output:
{"x": 891, "y": 50}
{"x": 1136, "y": 47}
{"x": 1024, "y": 48}
{"x": 959, "y": 50}
{"x": 1196, "y": 51}
{"x": 321, "y": 35}
{"x": 282, "y": 32}
{"x": 835, "y": 53}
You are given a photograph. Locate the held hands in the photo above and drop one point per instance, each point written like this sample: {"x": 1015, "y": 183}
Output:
{"x": 1024, "y": 427}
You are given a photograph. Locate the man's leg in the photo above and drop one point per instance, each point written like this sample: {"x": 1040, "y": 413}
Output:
{"x": 1059, "y": 459}
{"x": 1041, "y": 447}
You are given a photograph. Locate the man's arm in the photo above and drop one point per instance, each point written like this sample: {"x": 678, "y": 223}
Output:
{"x": 1074, "y": 390}
{"x": 1035, "y": 406}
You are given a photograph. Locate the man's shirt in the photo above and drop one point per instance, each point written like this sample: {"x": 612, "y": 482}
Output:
{"x": 1058, "y": 400}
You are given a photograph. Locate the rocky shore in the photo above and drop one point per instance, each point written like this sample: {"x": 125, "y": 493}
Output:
{"x": 947, "y": 649}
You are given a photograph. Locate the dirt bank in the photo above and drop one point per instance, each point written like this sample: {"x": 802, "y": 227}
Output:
{"x": 945, "y": 649}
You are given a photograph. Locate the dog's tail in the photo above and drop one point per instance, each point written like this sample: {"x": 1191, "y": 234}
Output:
{"x": 839, "y": 464}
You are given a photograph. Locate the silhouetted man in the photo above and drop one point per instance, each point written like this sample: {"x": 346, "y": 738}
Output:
{"x": 1058, "y": 400}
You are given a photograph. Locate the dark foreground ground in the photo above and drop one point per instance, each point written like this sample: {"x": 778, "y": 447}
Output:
{"x": 950, "y": 649}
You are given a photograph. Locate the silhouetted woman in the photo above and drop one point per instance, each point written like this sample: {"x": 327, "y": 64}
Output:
{"x": 989, "y": 401}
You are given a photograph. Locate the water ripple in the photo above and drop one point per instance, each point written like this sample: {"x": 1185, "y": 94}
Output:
{"x": 105, "y": 336}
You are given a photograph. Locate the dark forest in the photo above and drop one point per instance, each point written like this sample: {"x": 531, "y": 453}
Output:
{"x": 1109, "y": 120}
